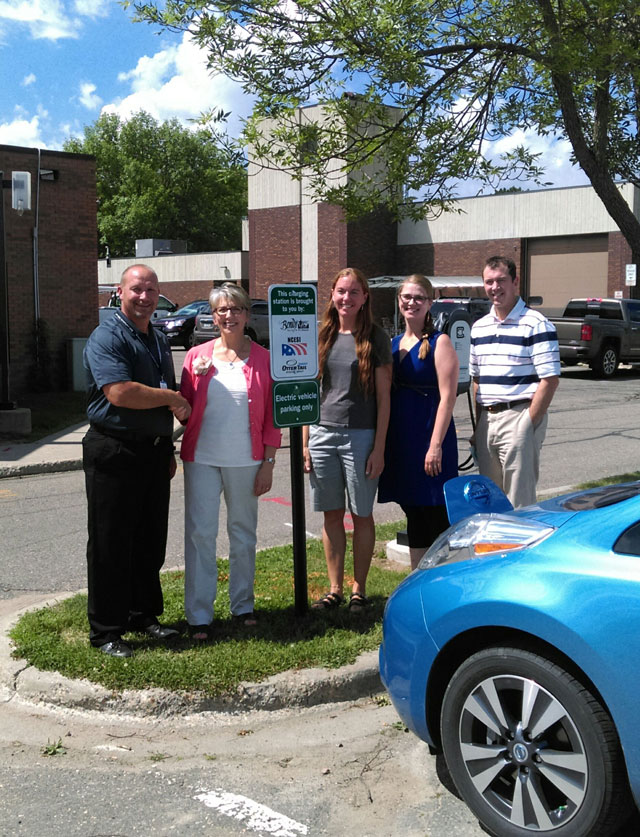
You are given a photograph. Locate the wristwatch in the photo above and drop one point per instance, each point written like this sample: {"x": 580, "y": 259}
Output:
{"x": 270, "y": 459}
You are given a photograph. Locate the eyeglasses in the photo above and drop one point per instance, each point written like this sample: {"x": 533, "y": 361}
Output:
{"x": 410, "y": 298}
{"x": 232, "y": 309}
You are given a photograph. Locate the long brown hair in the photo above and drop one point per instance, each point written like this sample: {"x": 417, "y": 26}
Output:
{"x": 428, "y": 328}
{"x": 362, "y": 334}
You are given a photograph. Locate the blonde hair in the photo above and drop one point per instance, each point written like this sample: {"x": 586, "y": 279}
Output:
{"x": 234, "y": 293}
{"x": 362, "y": 334}
{"x": 428, "y": 328}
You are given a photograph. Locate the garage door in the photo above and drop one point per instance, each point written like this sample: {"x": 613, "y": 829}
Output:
{"x": 565, "y": 267}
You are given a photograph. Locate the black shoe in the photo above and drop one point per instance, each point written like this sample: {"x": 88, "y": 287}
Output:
{"x": 158, "y": 631}
{"x": 117, "y": 648}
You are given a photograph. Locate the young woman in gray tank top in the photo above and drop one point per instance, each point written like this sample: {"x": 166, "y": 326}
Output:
{"x": 344, "y": 452}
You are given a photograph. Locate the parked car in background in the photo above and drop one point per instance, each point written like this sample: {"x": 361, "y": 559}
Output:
{"x": 165, "y": 305}
{"x": 179, "y": 326}
{"x": 257, "y": 327}
{"x": 513, "y": 648}
{"x": 599, "y": 332}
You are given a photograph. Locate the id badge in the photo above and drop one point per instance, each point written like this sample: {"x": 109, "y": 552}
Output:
{"x": 163, "y": 384}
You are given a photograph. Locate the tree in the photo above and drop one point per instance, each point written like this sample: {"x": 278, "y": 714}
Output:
{"x": 461, "y": 73}
{"x": 161, "y": 180}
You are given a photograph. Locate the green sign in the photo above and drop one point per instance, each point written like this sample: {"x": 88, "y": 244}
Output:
{"x": 292, "y": 299}
{"x": 296, "y": 403}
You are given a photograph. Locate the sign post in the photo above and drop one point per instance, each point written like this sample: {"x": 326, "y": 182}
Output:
{"x": 293, "y": 346}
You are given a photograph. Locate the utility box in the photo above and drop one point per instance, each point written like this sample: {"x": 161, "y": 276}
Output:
{"x": 149, "y": 247}
{"x": 76, "y": 374}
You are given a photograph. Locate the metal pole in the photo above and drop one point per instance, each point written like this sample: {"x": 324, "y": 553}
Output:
{"x": 299, "y": 521}
{"x": 5, "y": 402}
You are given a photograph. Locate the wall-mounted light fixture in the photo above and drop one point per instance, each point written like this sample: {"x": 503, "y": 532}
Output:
{"x": 21, "y": 191}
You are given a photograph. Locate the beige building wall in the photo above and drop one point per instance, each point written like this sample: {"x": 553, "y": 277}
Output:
{"x": 552, "y": 212}
{"x": 231, "y": 266}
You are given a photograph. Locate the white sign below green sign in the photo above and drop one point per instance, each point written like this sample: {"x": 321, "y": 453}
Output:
{"x": 293, "y": 346}
{"x": 293, "y": 332}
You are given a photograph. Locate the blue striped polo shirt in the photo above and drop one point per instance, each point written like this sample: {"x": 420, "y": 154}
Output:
{"x": 509, "y": 357}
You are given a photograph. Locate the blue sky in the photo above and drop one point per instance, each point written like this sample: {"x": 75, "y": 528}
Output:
{"x": 63, "y": 62}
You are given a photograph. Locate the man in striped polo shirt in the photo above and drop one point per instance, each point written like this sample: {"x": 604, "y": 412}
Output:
{"x": 515, "y": 364}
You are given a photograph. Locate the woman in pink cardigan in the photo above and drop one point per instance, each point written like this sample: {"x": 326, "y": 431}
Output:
{"x": 228, "y": 447}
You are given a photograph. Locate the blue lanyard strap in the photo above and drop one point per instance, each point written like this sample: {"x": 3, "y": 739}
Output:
{"x": 136, "y": 334}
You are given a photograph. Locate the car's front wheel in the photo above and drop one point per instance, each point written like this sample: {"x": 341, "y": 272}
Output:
{"x": 530, "y": 749}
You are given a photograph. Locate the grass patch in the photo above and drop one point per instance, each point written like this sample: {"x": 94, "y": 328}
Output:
{"x": 53, "y": 411}
{"x": 631, "y": 477}
{"x": 55, "y": 638}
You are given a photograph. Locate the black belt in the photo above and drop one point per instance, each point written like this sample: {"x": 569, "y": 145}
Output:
{"x": 504, "y": 405}
{"x": 132, "y": 436}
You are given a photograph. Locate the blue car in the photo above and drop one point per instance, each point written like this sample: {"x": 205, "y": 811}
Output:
{"x": 514, "y": 649}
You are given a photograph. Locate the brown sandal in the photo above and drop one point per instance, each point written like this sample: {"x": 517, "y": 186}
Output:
{"x": 200, "y": 633}
{"x": 248, "y": 620}
{"x": 358, "y": 603}
{"x": 330, "y": 601}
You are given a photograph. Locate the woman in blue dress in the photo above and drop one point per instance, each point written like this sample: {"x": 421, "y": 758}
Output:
{"x": 421, "y": 452}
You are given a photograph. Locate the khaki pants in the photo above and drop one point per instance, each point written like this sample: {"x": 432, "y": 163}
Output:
{"x": 508, "y": 450}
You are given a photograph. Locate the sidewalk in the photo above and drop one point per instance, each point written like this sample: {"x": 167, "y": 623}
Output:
{"x": 61, "y": 451}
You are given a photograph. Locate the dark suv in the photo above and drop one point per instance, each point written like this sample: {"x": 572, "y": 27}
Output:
{"x": 257, "y": 327}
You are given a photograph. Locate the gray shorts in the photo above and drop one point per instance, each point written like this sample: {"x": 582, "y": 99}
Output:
{"x": 339, "y": 458}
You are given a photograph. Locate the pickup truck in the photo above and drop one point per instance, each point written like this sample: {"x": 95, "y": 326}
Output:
{"x": 599, "y": 332}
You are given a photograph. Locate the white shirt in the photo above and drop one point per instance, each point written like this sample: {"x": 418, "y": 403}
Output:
{"x": 510, "y": 357}
{"x": 224, "y": 439}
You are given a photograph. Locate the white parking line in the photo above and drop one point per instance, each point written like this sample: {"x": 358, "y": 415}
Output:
{"x": 308, "y": 533}
{"x": 255, "y": 816}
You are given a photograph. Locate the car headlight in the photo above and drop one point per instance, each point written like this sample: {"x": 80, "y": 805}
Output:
{"x": 174, "y": 323}
{"x": 483, "y": 534}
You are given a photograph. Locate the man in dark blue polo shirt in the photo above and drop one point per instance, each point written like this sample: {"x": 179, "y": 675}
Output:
{"x": 128, "y": 461}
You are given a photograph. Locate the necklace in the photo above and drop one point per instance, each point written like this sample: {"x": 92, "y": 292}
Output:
{"x": 237, "y": 357}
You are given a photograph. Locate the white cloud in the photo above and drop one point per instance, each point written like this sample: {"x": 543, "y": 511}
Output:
{"x": 175, "y": 82}
{"x": 91, "y": 8}
{"x": 21, "y": 132}
{"x": 554, "y": 151}
{"x": 45, "y": 18}
{"x": 27, "y": 80}
{"x": 88, "y": 96}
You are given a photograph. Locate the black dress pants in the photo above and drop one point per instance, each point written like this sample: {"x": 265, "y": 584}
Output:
{"x": 127, "y": 487}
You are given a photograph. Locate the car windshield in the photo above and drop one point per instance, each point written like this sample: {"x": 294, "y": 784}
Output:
{"x": 189, "y": 310}
{"x": 439, "y": 305}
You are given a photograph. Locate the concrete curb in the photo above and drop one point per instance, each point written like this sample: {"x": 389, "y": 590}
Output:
{"x": 40, "y": 468}
{"x": 301, "y": 688}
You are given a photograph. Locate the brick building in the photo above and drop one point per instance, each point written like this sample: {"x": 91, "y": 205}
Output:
{"x": 50, "y": 255}
{"x": 562, "y": 240}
